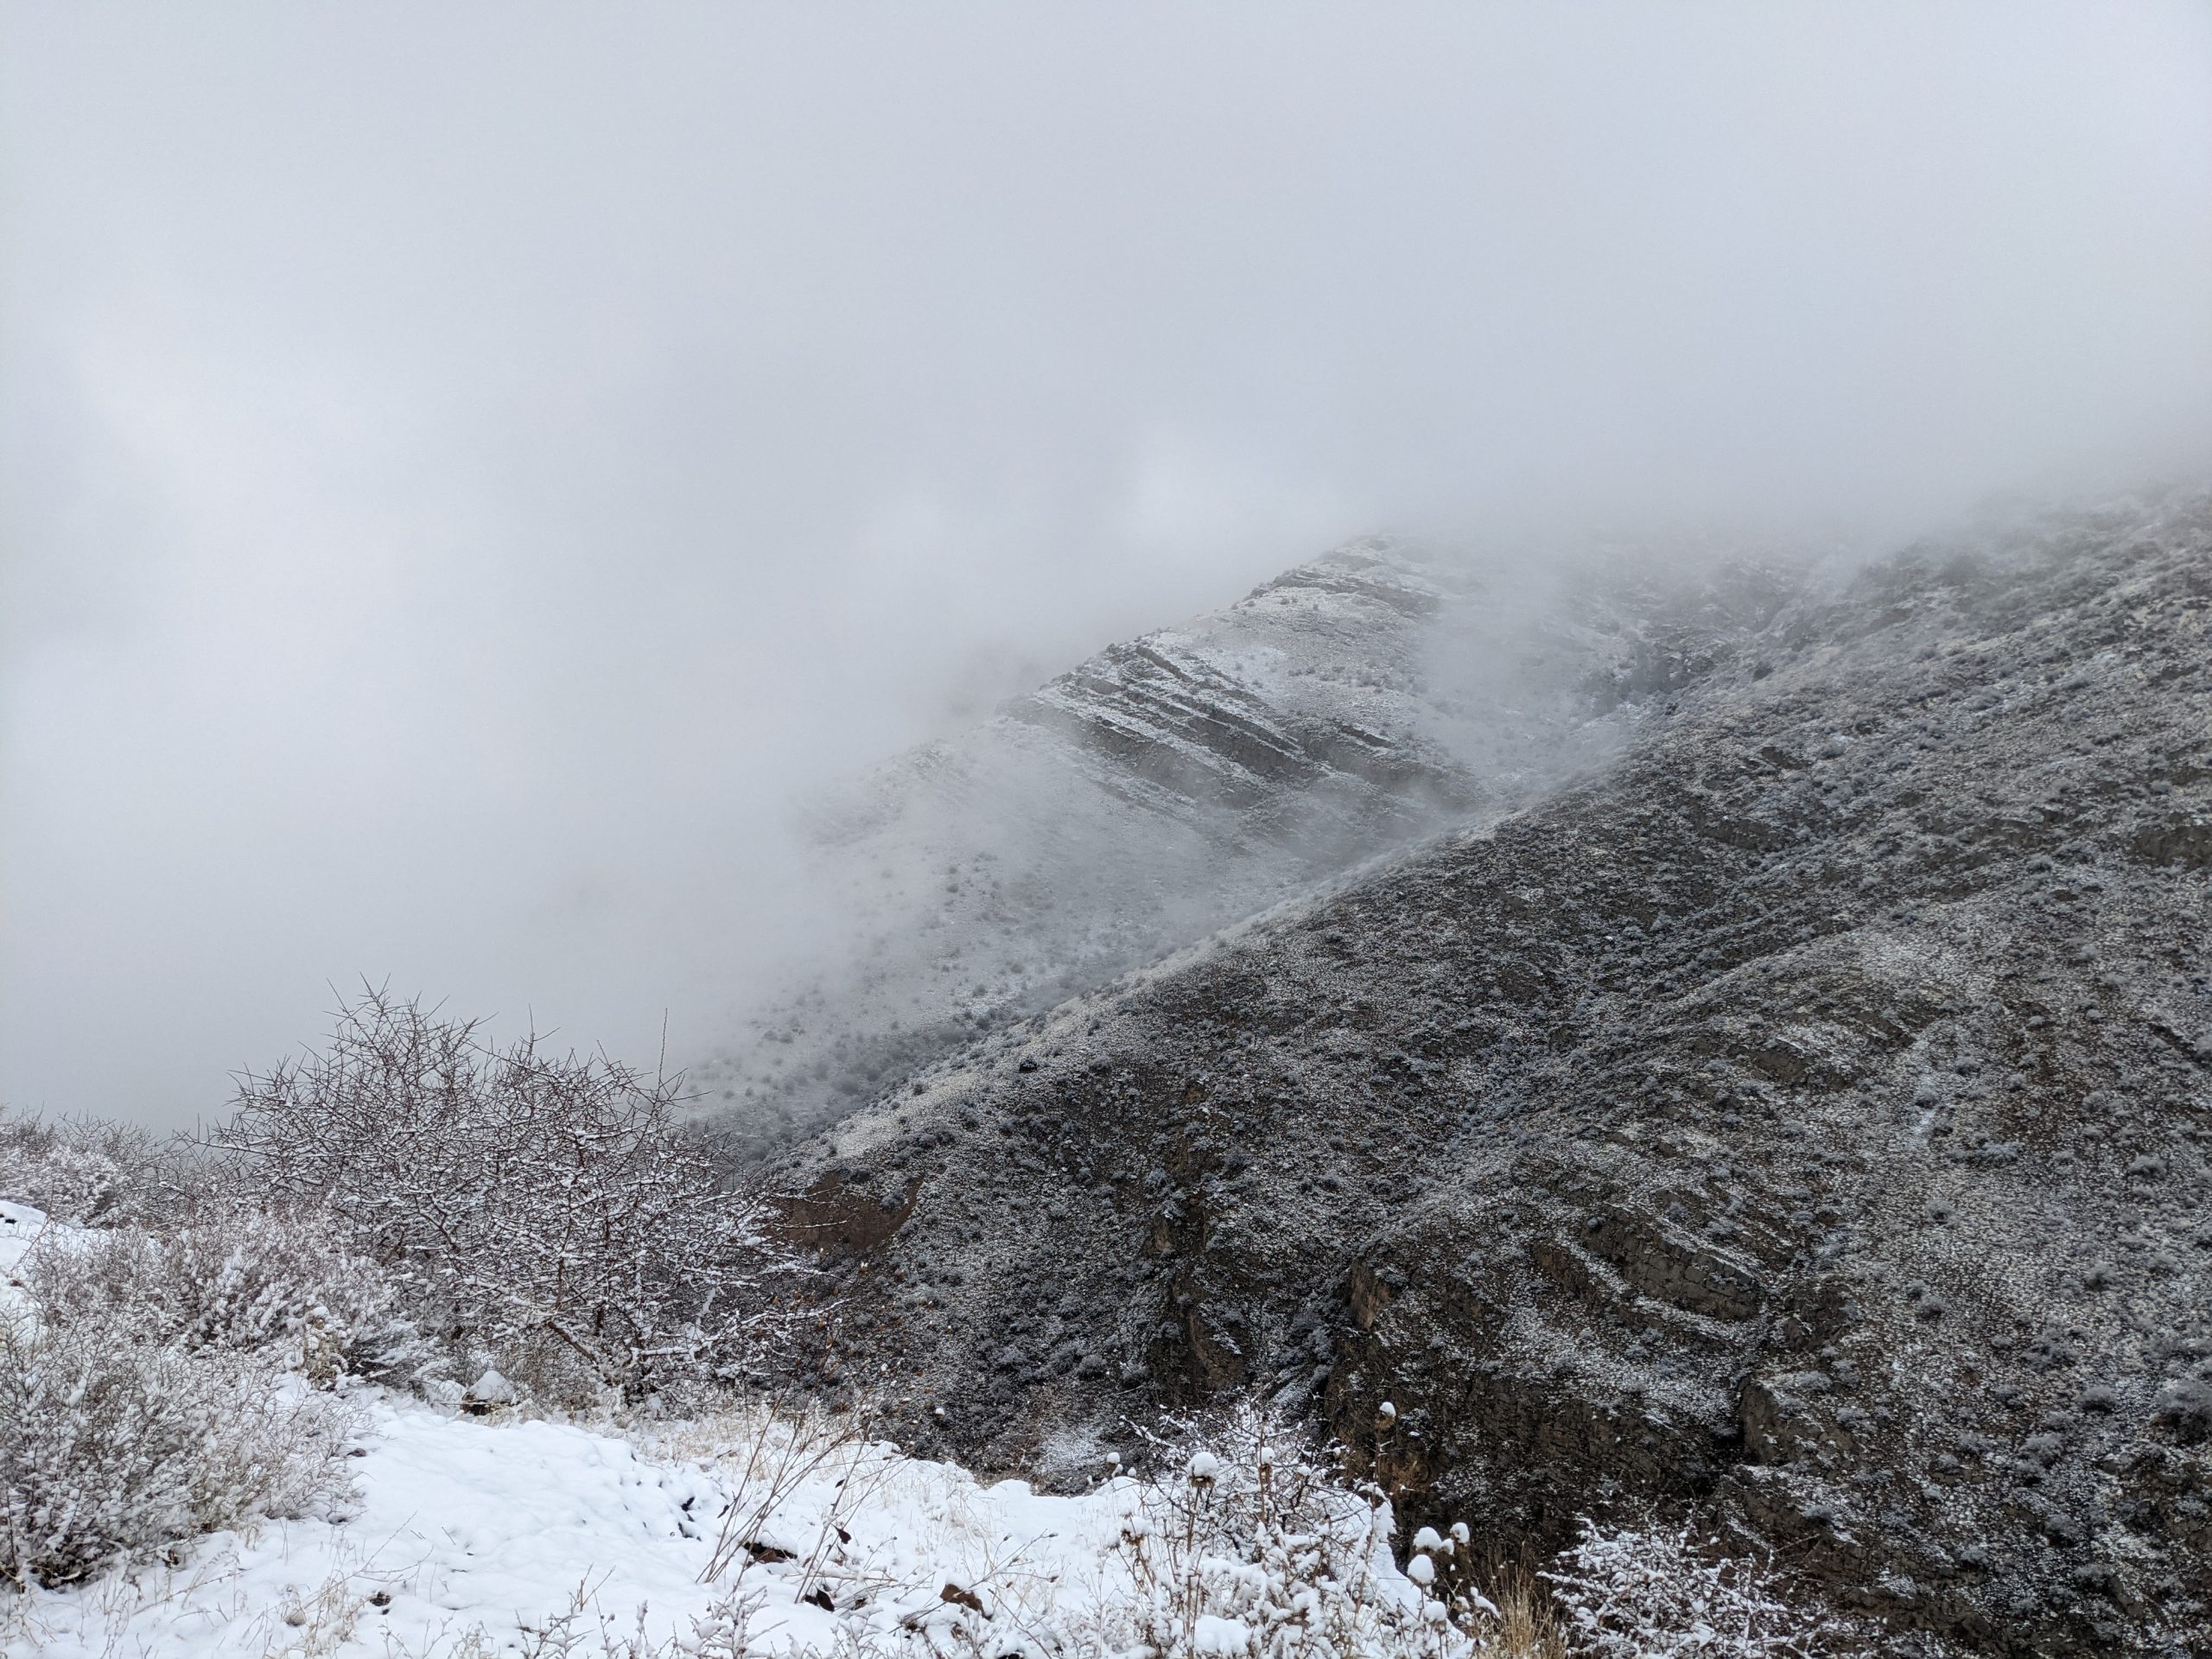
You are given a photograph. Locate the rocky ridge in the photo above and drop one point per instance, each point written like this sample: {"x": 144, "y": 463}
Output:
{"x": 1803, "y": 1124}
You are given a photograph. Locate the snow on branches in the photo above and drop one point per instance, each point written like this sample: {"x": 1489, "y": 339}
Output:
{"x": 545, "y": 1212}
{"x": 121, "y": 1429}
{"x": 1652, "y": 1593}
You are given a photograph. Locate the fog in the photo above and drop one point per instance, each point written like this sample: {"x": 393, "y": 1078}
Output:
{"x": 468, "y": 469}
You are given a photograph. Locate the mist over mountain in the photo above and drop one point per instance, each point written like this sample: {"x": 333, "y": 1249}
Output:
{"x": 1250, "y": 831}
{"x": 463, "y": 473}
{"x": 1199, "y": 774}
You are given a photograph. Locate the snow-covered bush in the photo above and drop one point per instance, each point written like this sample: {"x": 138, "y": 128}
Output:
{"x": 255, "y": 1281}
{"x": 1652, "y": 1592}
{"x": 279, "y": 1287}
{"x": 85, "y": 1172}
{"x": 116, "y": 1438}
{"x": 1251, "y": 1545}
{"x": 544, "y": 1213}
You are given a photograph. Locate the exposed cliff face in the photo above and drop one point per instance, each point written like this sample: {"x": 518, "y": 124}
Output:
{"x": 1180, "y": 781}
{"x": 1807, "y": 1122}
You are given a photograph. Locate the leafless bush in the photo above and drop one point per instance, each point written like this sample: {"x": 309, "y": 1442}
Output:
{"x": 583, "y": 1630}
{"x": 544, "y": 1210}
{"x": 1652, "y": 1593}
{"x": 773, "y": 1454}
{"x": 114, "y": 1439}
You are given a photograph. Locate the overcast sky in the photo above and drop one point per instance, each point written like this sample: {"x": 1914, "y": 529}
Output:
{"x": 466, "y": 465}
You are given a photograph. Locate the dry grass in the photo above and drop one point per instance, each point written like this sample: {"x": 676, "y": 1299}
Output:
{"x": 1526, "y": 1626}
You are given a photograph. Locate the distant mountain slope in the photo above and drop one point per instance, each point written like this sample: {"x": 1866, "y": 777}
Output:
{"x": 1804, "y": 1123}
{"x": 1178, "y": 782}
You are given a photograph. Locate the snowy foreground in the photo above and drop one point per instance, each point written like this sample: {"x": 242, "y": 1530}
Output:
{"x": 473, "y": 1536}
{"x": 461, "y": 1526}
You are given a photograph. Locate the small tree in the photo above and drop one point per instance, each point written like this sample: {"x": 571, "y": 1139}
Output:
{"x": 545, "y": 1209}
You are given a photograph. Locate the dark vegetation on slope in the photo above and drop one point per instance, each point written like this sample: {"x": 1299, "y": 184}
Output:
{"x": 1803, "y": 1126}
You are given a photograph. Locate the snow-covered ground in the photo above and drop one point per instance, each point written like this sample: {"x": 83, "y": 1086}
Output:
{"x": 465, "y": 1525}
{"x": 474, "y": 1535}
{"x": 19, "y": 1225}
{"x": 750, "y": 1531}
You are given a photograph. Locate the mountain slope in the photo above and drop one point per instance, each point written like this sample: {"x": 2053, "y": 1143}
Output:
{"x": 1805, "y": 1122}
{"x": 1178, "y": 782}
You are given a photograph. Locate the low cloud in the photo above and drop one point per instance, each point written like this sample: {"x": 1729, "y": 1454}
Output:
{"x": 466, "y": 472}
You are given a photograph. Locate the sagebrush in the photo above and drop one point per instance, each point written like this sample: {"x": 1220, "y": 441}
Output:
{"x": 281, "y": 1286}
{"x": 117, "y": 1436}
{"x": 85, "y": 1172}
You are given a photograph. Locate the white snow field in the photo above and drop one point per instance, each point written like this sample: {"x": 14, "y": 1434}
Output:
{"x": 473, "y": 1536}
{"x": 19, "y": 1225}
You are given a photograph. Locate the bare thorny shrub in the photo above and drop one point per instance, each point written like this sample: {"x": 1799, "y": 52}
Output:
{"x": 543, "y": 1212}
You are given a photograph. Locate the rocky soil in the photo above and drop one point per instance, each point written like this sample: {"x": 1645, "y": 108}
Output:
{"x": 1803, "y": 1123}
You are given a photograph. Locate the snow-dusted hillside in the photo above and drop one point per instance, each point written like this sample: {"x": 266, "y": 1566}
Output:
{"x": 1806, "y": 1121}
{"x": 1197, "y": 775}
